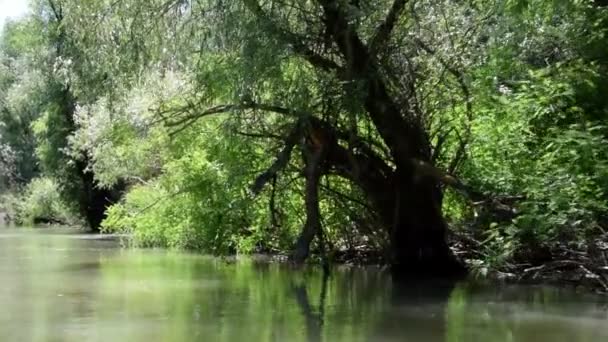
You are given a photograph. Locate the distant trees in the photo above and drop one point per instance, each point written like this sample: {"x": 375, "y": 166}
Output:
{"x": 21, "y": 99}
{"x": 38, "y": 116}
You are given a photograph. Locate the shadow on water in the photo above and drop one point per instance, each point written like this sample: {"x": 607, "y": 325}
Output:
{"x": 90, "y": 266}
{"x": 414, "y": 308}
{"x": 417, "y": 310}
{"x": 445, "y": 311}
{"x": 312, "y": 316}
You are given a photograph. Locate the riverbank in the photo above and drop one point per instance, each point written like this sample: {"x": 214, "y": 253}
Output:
{"x": 580, "y": 269}
{"x": 583, "y": 266}
{"x": 583, "y": 271}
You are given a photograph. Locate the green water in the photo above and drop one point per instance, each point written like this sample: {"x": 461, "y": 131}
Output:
{"x": 68, "y": 287}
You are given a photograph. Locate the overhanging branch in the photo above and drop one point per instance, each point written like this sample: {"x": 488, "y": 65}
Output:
{"x": 57, "y": 11}
{"x": 295, "y": 42}
{"x": 384, "y": 30}
{"x": 282, "y": 158}
{"x": 461, "y": 79}
{"x": 182, "y": 117}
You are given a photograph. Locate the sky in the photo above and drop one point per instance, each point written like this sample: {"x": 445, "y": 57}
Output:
{"x": 11, "y": 9}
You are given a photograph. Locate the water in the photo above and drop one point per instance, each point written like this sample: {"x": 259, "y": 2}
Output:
{"x": 68, "y": 287}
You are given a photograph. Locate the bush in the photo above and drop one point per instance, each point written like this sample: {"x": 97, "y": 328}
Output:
{"x": 537, "y": 142}
{"x": 39, "y": 202}
{"x": 195, "y": 204}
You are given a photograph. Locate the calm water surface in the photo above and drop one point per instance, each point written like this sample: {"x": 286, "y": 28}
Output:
{"x": 68, "y": 287}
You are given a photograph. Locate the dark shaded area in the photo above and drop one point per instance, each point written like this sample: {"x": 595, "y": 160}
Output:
{"x": 313, "y": 316}
{"x": 422, "y": 304}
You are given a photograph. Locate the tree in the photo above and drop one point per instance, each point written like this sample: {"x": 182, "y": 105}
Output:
{"x": 21, "y": 99}
{"x": 56, "y": 124}
{"x": 407, "y": 200}
{"x": 345, "y": 78}
{"x": 370, "y": 109}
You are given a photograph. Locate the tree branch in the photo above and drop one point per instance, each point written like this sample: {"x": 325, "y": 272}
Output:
{"x": 174, "y": 117}
{"x": 57, "y": 11}
{"x": 295, "y": 42}
{"x": 383, "y": 32}
{"x": 404, "y": 136}
{"x": 460, "y": 78}
{"x": 282, "y": 158}
{"x": 312, "y": 227}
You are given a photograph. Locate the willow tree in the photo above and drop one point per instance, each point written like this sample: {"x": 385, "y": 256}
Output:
{"x": 391, "y": 163}
{"x": 21, "y": 98}
{"x": 364, "y": 91}
{"x": 51, "y": 101}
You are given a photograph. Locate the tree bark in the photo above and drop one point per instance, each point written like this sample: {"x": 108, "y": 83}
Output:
{"x": 418, "y": 232}
{"x": 408, "y": 203}
{"x": 313, "y": 160}
{"x": 407, "y": 199}
{"x": 409, "y": 206}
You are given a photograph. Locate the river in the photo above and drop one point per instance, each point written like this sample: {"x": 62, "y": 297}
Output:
{"x": 61, "y": 286}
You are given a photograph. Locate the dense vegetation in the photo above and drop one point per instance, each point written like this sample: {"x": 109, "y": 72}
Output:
{"x": 403, "y": 130}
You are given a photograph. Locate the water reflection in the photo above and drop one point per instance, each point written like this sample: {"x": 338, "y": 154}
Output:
{"x": 66, "y": 288}
{"x": 313, "y": 316}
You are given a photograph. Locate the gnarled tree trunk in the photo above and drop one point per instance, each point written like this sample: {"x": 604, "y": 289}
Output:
{"x": 407, "y": 199}
{"x": 418, "y": 231}
{"x": 408, "y": 202}
{"x": 313, "y": 159}
{"x": 95, "y": 200}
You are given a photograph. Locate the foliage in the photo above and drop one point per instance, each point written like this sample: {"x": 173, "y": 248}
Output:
{"x": 540, "y": 134}
{"x": 38, "y": 202}
{"x": 186, "y": 104}
{"x": 195, "y": 204}
{"x": 22, "y": 95}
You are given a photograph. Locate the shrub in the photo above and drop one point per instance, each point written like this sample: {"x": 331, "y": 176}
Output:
{"x": 40, "y": 202}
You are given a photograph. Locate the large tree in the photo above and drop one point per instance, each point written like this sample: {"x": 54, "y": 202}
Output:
{"x": 56, "y": 124}
{"x": 398, "y": 185}
{"x": 346, "y": 83}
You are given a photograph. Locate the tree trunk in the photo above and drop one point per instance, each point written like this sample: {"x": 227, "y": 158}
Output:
{"x": 409, "y": 205}
{"x": 407, "y": 200}
{"x": 312, "y": 227}
{"x": 418, "y": 243}
{"x": 93, "y": 201}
